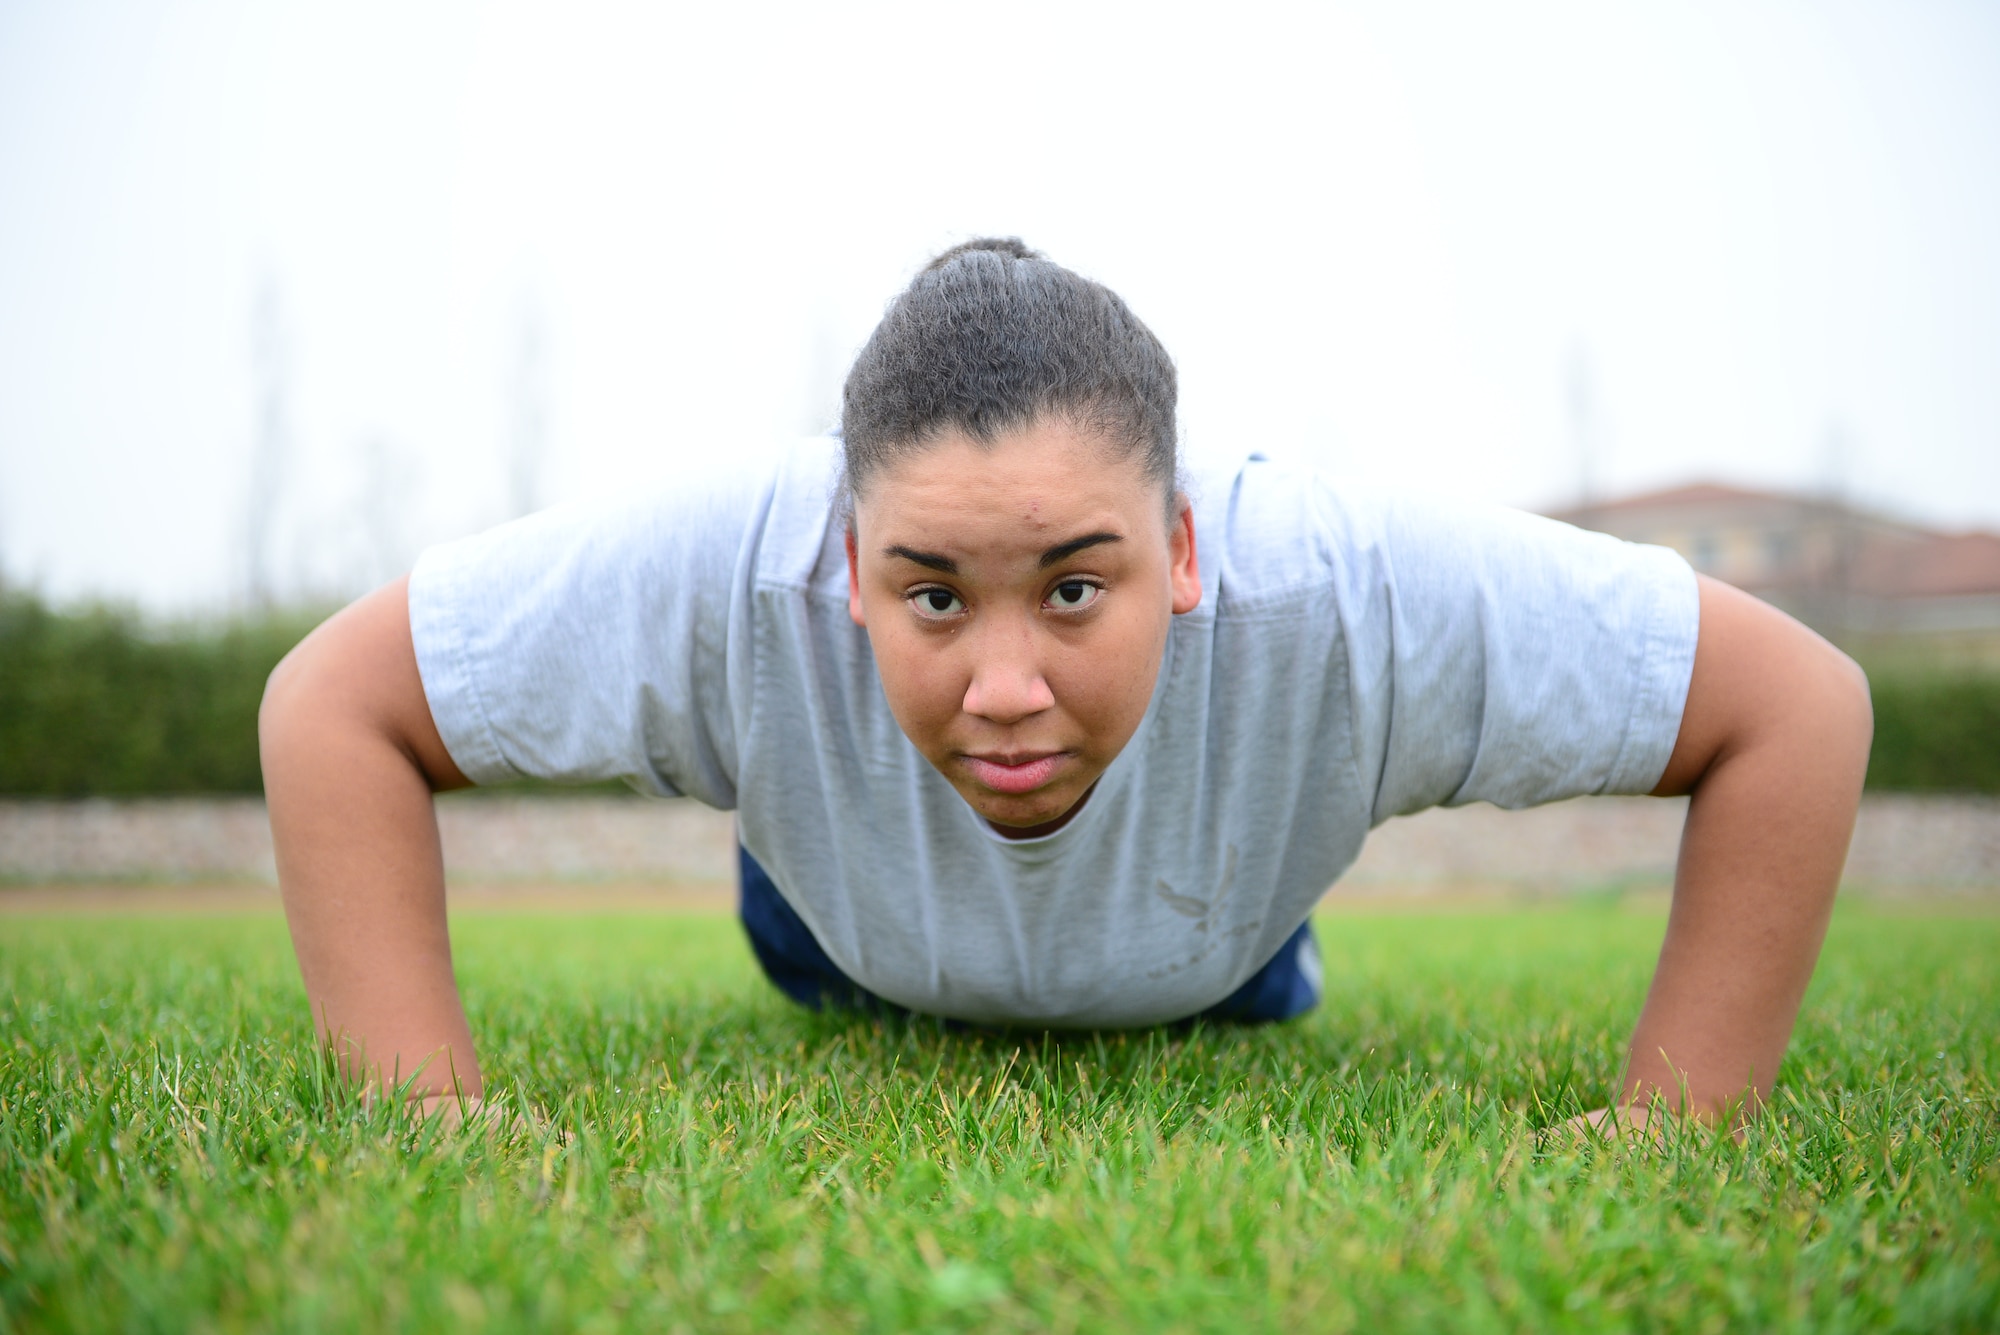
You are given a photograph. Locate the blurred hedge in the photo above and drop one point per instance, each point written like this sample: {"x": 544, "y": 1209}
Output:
{"x": 1936, "y": 732}
{"x": 97, "y": 702}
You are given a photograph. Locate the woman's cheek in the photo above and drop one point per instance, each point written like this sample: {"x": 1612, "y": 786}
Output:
{"x": 1112, "y": 682}
{"x": 1095, "y": 693}
{"x": 919, "y": 681}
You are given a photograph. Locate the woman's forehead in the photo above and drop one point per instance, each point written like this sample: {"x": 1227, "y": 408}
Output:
{"x": 1016, "y": 501}
{"x": 1042, "y": 467}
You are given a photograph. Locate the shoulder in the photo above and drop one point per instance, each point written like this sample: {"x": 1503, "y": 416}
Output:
{"x": 1271, "y": 524}
{"x": 798, "y": 541}
{"x": 738, "y": 512}
{"x": 1268, "y": 529}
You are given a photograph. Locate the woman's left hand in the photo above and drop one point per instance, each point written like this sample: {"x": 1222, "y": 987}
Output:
{"x": 1772, "y": 749}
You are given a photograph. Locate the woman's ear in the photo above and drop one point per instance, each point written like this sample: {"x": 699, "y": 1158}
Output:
{"x": 1184, "y": 571}
{"x": 854, "y": 580}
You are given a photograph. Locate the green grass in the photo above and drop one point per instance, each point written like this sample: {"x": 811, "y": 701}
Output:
{"x": 172, "y": 1157}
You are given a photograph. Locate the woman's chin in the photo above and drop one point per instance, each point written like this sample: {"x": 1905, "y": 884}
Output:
{"x": 1025, "y": 815}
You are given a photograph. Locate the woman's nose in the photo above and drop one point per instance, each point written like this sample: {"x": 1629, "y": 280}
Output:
{"x": 1007, "y": 683}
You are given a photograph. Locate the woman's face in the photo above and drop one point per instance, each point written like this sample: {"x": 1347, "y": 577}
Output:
{"x": 1017, "y": 598}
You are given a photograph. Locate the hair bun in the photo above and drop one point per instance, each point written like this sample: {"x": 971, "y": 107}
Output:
{"x": 1013, "y": 247}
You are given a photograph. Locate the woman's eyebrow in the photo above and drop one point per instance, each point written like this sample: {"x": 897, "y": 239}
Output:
{"x": 1062, "y": 551}
{"x": 944, "y": 565}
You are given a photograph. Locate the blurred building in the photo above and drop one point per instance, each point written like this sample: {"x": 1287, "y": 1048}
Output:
{"x": 1878, "y": 587}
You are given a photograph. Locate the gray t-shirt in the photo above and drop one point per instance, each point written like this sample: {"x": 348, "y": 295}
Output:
{"x": 1354, "y": 657}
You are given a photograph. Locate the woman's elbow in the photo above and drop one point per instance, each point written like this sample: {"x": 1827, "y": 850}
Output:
{"x": 1843, "y": 712}
{"x": 287, "y": 706}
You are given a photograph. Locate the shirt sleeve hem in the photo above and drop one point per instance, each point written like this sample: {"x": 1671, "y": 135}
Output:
{"x": 437, "y": 602}
{"x": 1664, "y": 666}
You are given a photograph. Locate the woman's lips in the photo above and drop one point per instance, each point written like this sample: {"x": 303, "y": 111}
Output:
{"x": 1022, "y": 775}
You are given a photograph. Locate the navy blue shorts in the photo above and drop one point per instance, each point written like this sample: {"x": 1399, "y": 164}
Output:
{"x": 793, "y": 958}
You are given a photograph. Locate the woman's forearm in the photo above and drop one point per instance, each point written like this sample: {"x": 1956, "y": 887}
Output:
{"x": 350, "y": 762}
{"x": 1774, "y": 748}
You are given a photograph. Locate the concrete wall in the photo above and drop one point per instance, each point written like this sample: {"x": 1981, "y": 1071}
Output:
{"x": 1927, "y": 844}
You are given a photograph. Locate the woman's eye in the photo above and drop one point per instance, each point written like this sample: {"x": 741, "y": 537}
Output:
{"x": 936, "y": 603}
{"x": 1072, "y": 594}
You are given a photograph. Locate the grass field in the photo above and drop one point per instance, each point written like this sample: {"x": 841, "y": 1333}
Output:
{"x": 172, "y": 1157}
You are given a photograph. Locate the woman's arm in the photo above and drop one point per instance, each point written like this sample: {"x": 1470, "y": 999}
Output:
{"x": 351, "y": 758}
{"x": 1772, "y": 747}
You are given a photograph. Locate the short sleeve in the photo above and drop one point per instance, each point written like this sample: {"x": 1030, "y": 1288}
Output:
{"x": 593, "y": 641}
{"x": 1506, "y": 658}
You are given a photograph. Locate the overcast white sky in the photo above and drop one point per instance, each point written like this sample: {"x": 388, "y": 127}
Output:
{"x": 1381, "y": 236}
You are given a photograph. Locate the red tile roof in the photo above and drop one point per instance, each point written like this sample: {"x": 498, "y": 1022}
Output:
{"x": 1695, "y": 493}
{"x": 1894, "y": 560}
